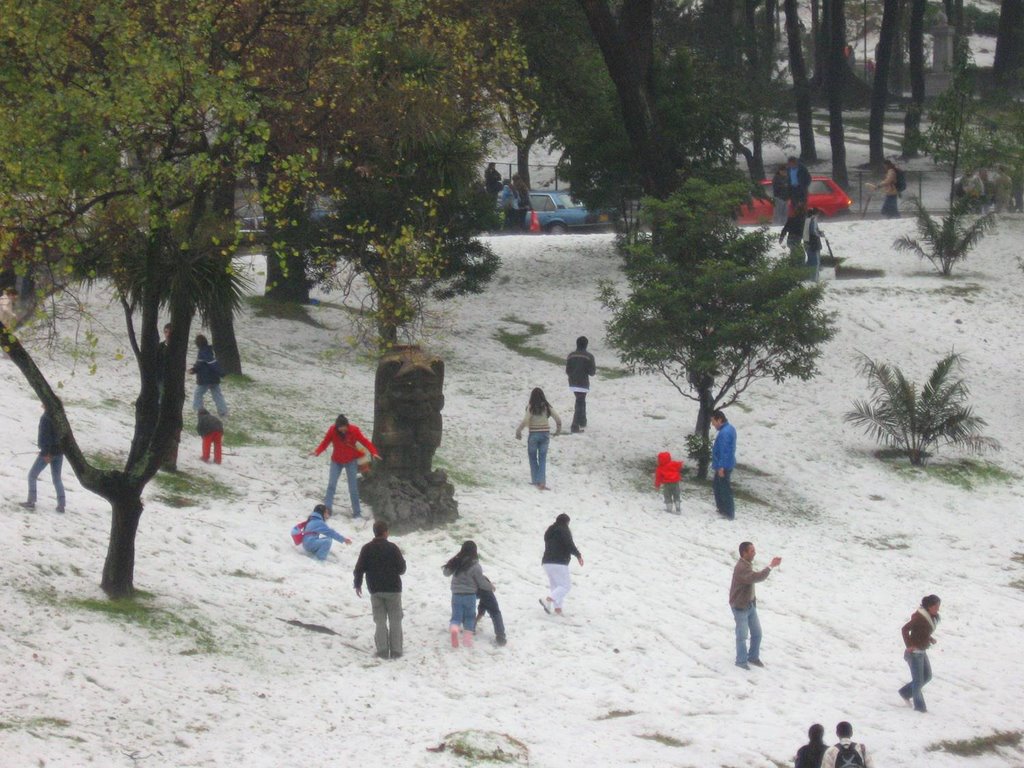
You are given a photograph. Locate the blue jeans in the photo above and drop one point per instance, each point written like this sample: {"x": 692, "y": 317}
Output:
{"x": 813, "y": 263}
{"x": 747, "y": 621}
{"x": 218, "y": 398}
{"x": 464, "y": 611}
{"x": 722, "y": 486}
{"x": 56, "y": 463}
{"x": 920, "y": 674}
{"x": 318, "y": 548}
{"x": 537, "y": 452}
{"x": 489, "y": 605}
{"x": 889, "y": 207}
{"x": 352, "y": 474}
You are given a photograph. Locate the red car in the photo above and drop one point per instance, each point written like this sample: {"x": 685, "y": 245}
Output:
{"x": 823, "y": 194}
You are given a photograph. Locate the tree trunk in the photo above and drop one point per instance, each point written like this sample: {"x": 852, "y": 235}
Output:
{"x": 819, "y": 46}
{"x": 523, "y": 161}
{"x": 915, "y": 44}
{"x": 703, "y": 426}
{"x": 626, "y": 46}
{"x": 835, "y": 86}
{"x": 897, "y": 75}
{"x": 286, "y": 268}
{"x": 1010, "y": 41}
{"x": 880, "y": 88}
{"x": 801, "y": 87}
{"x": 119, "y": 566}
{"x": 222, "y": 328}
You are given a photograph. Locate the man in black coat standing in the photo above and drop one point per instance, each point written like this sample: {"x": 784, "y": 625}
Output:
{"x": 49, "y": 453}
{"x": 579, "y": 367}
{"x": 382, "y": 563}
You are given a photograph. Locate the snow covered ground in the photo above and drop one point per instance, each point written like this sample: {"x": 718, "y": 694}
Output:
{"x": 640, "y": 671}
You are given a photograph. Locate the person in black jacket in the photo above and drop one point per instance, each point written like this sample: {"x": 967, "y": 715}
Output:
{"x": 382, "y": 563}
{"x": 558, "y": 549}
{"x": 810, "y": 754}
{"x": 49, "y": 453}
{"x": 799, "y": 181}
{"x": 579, "y": 367}
{"x": 780, "y": 196}
{"x": 208, "y": 375}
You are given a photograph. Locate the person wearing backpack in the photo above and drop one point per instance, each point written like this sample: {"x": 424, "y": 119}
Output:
{"x": 917, "y": 637}
{"x": 847, "y": 753}
{"x": 208, "y": 375}
{"x": 318, "y": 535}
{"x": 812, "y": 243}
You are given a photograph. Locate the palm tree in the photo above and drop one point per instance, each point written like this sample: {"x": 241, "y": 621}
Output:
{"x": 949, "y": 240}
{"x": 914, "y": 422}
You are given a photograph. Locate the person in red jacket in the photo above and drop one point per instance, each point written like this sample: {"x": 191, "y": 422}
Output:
{"x": 666, "y": 477}
{"x": 345, "y": 454}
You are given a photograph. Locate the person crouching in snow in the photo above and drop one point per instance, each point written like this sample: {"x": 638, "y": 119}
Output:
{"x": 666, "y": 477}
{"x": 467, "y": 578}
{"x": 318, "y": 535}
{"x": 211, "y": 429}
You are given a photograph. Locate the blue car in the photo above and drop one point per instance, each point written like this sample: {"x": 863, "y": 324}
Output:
{"x": 558, "y": 213}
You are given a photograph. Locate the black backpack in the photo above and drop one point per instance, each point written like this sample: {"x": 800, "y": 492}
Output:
{"x": 849, "y": 756}
{"x": 901, "y": 180}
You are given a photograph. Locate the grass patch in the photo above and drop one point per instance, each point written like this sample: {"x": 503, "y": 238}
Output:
{"x": 34, "y": 722}
{"x": 105, "y": 460}
{"x": 282, "y": 310}
{"x": 139, "y": 612}
{"x": 963, "y": 290}
{"x": 661, "y": 738}
{"x": 844, "y": 272}
{"x": 487, "y": 747}
{"x": 518, "y": 343}
{"x": 979, "y": 745}
{"x": 885, "y": 543}
{"x": 616, "y": 713}
{"x": 1018, "y": 557}
{"x": 238, "y": 573}
{"x": 965, "y": 473}
{"x": 181, "y": 489}
{"x": 1017, "y": 584}
{"x": 458, "y": 476}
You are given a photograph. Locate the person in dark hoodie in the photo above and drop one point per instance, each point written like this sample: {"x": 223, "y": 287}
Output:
{"x": 318, "y": 535}
{"x": 211, "y": 429}
{"x": 559, "y": 548}
{"x": 917, "y": 637}
{"x": 382, "y": 563}
{"x": 810, "y": 754}
{"x": 467, "y": 579}
{"x": 579, "y": 367}
{"x": 208, "y": 375}
{"x": 49, "y": 453}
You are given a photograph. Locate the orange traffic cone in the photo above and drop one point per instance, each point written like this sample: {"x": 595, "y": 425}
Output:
{"x": 534, "y": 222}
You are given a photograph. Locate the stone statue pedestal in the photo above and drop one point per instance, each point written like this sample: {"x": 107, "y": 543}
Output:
{"x": 940, "y": 78}
{"x": 404, "y": 489}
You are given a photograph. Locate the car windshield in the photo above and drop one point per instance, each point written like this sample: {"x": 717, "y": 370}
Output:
{"x": 564, "y": 200}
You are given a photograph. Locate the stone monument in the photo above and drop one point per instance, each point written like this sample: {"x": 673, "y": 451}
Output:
{"x": 404, "y": 489}
{"x": 938, "y": 80}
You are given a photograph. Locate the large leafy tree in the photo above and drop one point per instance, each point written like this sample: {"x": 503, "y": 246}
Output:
{"x": 375, "y": 154}
{"x": 117, "y": 121}
{"x": 709, "y": 309}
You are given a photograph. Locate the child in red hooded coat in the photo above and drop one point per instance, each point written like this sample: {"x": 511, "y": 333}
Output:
{"x": 667, "y": 477}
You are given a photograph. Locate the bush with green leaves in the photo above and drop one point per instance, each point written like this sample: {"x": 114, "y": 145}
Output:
{"x": 916, "y": 422}
{"x": 947, "y": 242}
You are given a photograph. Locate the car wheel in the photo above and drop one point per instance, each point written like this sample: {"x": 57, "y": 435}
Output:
{"x": 557, "y": 229}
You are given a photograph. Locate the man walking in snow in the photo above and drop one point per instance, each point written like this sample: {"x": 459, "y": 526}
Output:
{"x": 723, "y": 461}
{"x": 847, "y": 753}
{"x": 743, "y": 602}
{"x": 50, "y": 453}
{"x": 382, "y": 563}
{"x": 579, "y": 367}
{"x": 799, "y": 181}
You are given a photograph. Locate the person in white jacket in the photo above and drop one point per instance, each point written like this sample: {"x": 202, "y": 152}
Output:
{"x": 847, "y": 753}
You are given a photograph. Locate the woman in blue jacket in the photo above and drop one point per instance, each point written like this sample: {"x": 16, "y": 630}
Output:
{"x": 208, "y": 374}
{"x": 318, "y": 535}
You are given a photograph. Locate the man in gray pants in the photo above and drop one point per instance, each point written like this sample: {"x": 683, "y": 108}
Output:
{"x": 383, "y": 565}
